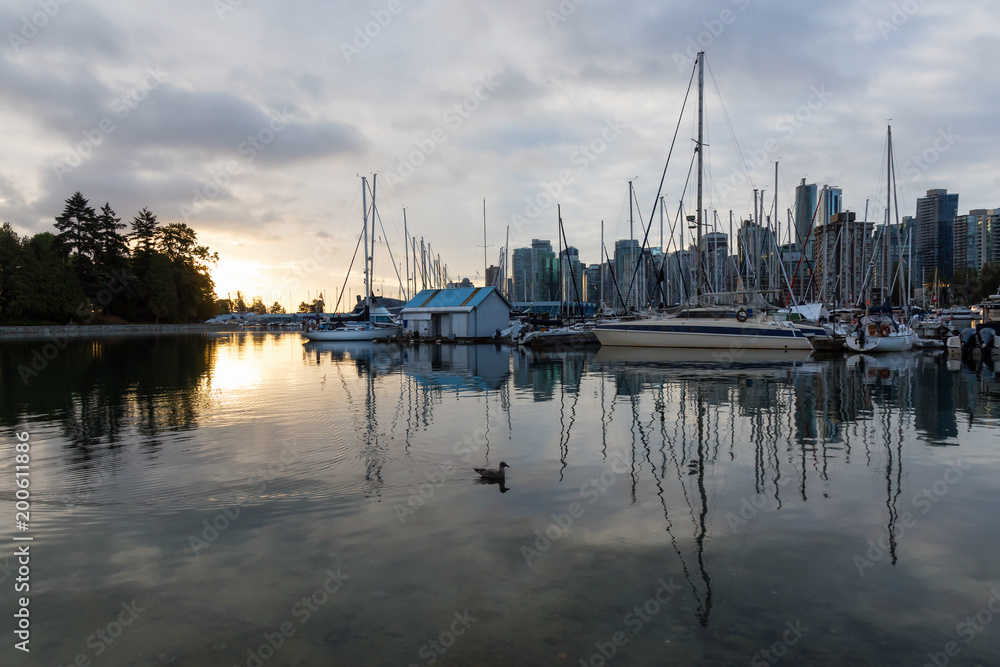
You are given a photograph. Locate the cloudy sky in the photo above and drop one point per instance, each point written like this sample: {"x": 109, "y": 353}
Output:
{"x": 253, "y": 122}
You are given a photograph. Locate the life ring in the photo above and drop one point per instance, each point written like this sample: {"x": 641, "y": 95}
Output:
{"x": 854, "y": 321}
{"x": 884, "y": 330}
{"x": 741, "y": 315}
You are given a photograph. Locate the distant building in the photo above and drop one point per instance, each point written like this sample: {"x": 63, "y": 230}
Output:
{"x": 715, "y": 261}
{"x": 977, "y": 238}
{"x": 592, "y": 278}
{"x": 833, "y": 199}
{"x": 627, "y": 257}
{"x": 805, "y": 206}
{"x": 935, "y": 235}
{"x": 493, "y": 278}
{"x": 535, "y": 272}
{"x": 843, "y": 252}
{"x": 571, "y": 282}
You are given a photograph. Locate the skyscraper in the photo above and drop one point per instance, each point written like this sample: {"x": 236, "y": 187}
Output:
{"x": 572, "y": 286}
{"x": 935, "y": 235}
{"x": 805, "y": 206}
{"x": 535, "y": 272}
{"x": 627, "y": 256}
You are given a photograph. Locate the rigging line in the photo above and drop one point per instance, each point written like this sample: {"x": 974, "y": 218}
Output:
{"x": 729, "y": 124}
{"x": 663, "y": 177}
{"x": 346, "y": 277}
{"x": 378, "y": 216}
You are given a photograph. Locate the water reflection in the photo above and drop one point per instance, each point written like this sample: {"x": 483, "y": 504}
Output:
{"x": 100, "y": 392}
{"x": 751, "y": 479}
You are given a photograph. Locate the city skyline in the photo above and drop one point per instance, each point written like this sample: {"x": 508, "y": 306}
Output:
{"x": 253, "y": 123}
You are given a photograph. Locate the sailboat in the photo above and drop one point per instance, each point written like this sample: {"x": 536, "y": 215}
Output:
{"x": 877, "y": 331}
{"x": 697, "y": 326}
{"x": 376, "y": 321}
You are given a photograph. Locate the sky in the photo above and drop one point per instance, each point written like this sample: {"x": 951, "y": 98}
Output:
{"x": 254, "y": 122}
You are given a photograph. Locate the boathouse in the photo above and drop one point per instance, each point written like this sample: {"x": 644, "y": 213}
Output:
{"x": 460, "y": 312}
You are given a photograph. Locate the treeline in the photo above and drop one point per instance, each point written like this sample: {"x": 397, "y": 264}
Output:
{"x": 92, "y": 272}
{"x": 970, "y": 286}
{"x": 240, "y": 306}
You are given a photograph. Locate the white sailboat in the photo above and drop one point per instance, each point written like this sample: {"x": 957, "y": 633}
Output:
{"x": 701, "y": 327}
{"x": 877, "y": 330}
{"x": 378, "y": 322}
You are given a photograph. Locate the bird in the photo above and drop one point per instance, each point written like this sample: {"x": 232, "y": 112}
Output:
{"x": 490, "y": 473}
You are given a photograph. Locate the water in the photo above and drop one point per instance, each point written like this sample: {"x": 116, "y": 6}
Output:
{"x": 245, "y": 499}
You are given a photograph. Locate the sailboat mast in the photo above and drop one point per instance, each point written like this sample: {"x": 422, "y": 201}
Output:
{"x": 602, "y": 264}
{"x": 485, "y": 261}
{"x": 888, "y": 215}
{"x": 701, "y": 116}
{"x": 406, "y": 245}
{"x": 364, "y": 207}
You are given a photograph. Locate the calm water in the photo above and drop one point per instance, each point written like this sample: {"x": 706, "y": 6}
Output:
{"x": 246, "y": 499}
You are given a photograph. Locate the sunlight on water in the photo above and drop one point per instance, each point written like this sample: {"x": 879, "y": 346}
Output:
{"x": 246, "y": 499}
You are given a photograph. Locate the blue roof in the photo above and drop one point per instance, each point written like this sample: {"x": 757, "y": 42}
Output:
{"x": 455, "y": 297}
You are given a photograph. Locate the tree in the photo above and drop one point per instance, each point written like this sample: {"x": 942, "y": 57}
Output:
{"x": 78, "y": 227}
{"x": 144, "y": 231}
{"x": 258, "y": 306}
{"x": 240, "y": 305}
{"x": 277, "y": 309}
{"x": 45, "y": 286}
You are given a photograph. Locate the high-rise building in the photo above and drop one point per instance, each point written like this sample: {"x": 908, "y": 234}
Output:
{"x": 572, "y": 287}
{"x": 757, "y": 264}
{"x": 843, "y": 250}
{"x": 805, "y": 206}
{"x": 715, "y": 261}
{"x": 833, "y": 198}
{"x": 935, "y": 235}
{"x": 592, "y": 278}
{"x": 627, "y": 257}
{"x": 535, "y": 273}
{"x": 977, "y": 238}
{"x": 493, "y": 277}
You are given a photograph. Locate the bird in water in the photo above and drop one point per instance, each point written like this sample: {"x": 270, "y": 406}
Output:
{"x": 490, "y": 473}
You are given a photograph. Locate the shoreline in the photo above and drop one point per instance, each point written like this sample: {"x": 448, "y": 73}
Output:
{"x": 74, "y": 331}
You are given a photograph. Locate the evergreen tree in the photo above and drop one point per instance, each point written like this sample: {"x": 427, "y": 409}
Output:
{"x": 144, "y": 231}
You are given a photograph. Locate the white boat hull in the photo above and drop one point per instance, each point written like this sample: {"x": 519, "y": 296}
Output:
{"x": 702, "y": 334}
{"x": 372, "y": 333}
{"x": 902, "y": 342}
